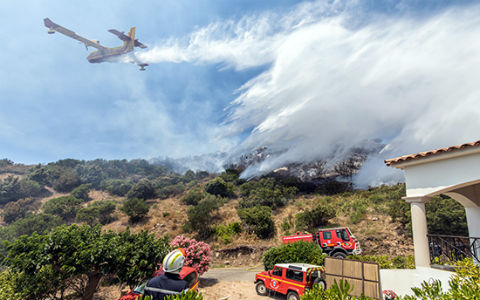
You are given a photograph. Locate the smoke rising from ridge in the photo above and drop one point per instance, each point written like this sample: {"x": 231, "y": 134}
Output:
{"x": 330, "y": 86}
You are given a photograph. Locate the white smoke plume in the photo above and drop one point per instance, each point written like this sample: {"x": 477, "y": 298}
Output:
{"x": 331, "y": 85}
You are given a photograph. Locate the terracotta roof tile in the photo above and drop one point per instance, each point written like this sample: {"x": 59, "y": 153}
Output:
{"x": 430, "y": 153}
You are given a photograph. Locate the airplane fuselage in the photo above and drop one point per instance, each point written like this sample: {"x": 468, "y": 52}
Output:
{"x": 107, "y": 54}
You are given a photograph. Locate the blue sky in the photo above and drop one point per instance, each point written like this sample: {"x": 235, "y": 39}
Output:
{"x": 235, "y": 75}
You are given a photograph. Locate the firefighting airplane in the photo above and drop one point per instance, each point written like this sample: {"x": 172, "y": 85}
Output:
{"x": 103, "y": 53}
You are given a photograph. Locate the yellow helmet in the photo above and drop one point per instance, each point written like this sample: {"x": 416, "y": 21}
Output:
{"x": 173, "y": 261}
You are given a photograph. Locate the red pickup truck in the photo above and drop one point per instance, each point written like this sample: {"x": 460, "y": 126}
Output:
{"x": 290, "y": 279}
{"x": 337, "y": 242}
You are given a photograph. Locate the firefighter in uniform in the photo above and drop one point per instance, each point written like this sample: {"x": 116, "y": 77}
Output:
{"x": 170, "y": 282}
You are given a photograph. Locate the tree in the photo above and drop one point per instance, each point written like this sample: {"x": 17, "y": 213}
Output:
{"x": 117, "y": 187}
{"x": 265, "y": 192}
{"x": 135, "y": 208}
{"x": 193, "y": 196}
{"x": 54, "y": 263}
{"x": 258, "y": 220}
{"x": 65, "y": 207}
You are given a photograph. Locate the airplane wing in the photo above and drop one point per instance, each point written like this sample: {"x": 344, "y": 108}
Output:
{"x": 125, "y": 37}
{"x": 55, "y": 27}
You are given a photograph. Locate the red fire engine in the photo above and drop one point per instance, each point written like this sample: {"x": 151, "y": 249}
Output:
{"x": 336, "y": 242}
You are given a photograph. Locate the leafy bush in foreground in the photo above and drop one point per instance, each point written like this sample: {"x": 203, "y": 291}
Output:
{"x": 298, "y": 252}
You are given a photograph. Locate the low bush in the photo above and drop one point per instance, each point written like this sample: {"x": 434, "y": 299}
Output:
{"x": 193, "y": 196}
{"x": 385, "y": 262}
{"x": 298, "y": 252}
{"x": 219, "y": 187}
{"x": 98, "y": 212}
{"x": 170, "y": 190}
{"x": 318, "y": 216}
{"x": 65, "y": 207}
{"x": 13, "y": 211}
{"x": 200, "y": 216}
{"x": 142, "y": 190}
{"x": 117, "y": 187}
{"x": 198, "y": 253}
{"x": 136, "y": 209}
{"x": 258, "y": 220}
{"x": 265, "y": 192}
{"x": 81, "y": 192}
{"x": 225, "y": 233}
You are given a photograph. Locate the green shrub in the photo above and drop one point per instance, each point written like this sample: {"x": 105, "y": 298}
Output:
{"x": 117, "y": 187}
{"x": 385, "y": 262}
{"x": 265, "y": 192}
{"x": 219, "y": 187}
{"x": 67, "y": 180}
{"x": 135, "y": 208}
{"x": 142, "y": 190}
{"x": 298, "y": 252}
{"x": 13, "y": 211}
{"x": 257, "y": 220}
{"x": 98, "y": 212}
{"x": 65, "y": 207}
{"x": 170, "y": 190}
{"x": 224, "y": 233}
{"x": 200, "y": 216}
{"x": 190, "y": 295}
{"x": 81, "y": 192}
{"x": 8, "y": 282}
{"x": 193, "y": 196}
{"x": 311, "y": 219}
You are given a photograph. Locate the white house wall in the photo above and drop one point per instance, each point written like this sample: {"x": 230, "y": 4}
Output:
{"x": 428, "y": 178}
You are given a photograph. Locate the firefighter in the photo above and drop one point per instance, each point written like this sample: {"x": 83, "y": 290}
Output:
{"x": 170, "y": 282}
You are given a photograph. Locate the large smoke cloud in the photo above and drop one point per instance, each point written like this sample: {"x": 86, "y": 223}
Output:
{"x": 330, "y": 85}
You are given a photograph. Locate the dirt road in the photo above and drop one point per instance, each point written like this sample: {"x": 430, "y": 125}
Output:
{"x": 231, "y": 284}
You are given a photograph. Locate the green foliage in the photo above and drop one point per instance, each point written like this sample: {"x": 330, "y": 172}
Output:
{"x": 225, "y": 233}
{"x": 81, "y": 192}
{"x": 98, "y": 212}
{"x": 446, "y": 216}
{"x": 8, "y": 282}
{"x": 258, "y": 220}
{"x": 13, "y": 188}
{"x": 135, "y": 208}
{"x": 190, "y": 295}
{"x": 298, "y": 252}
{"x": 67, "y": 180}
{"x": 193, "y": 196}
{"x": 65, "y": 207}
{"x": 117, "y": 187}
{"x": 385, "y": 262}
{"x": 199, "y": 217}
{"x": 265, "y": 192}
{"x": 54, "y": 263}
{"x": 142, "y": 190}
{"x": 232, "y": 175}
{"x": 318, "y": 216}
{"x": 338, "y": 291}
{"x": 26, "y": 226}
{"x": 219, "y": 187}
{"x": 171, "y": 190}
{"x": 13, "y": 211}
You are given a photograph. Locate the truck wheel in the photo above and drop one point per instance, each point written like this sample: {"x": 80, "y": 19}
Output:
{"x": 339, "y": 255}
{"x": 320, "y": 283}
{"x": 261, "y": 289}
{"x": 292, "y": 296}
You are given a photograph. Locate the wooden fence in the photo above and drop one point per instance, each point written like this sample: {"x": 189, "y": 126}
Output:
{"x": 364, "y": 277}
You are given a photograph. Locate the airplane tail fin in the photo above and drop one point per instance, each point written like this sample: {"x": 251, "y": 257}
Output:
{"x": 129, "y": 44}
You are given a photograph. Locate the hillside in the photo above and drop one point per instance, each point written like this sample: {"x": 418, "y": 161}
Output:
{"x": 365, "y": 212}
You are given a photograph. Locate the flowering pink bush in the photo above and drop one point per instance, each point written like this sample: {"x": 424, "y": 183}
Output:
{"x": 198, "y": 253}
{"x": 389, "y": 295}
